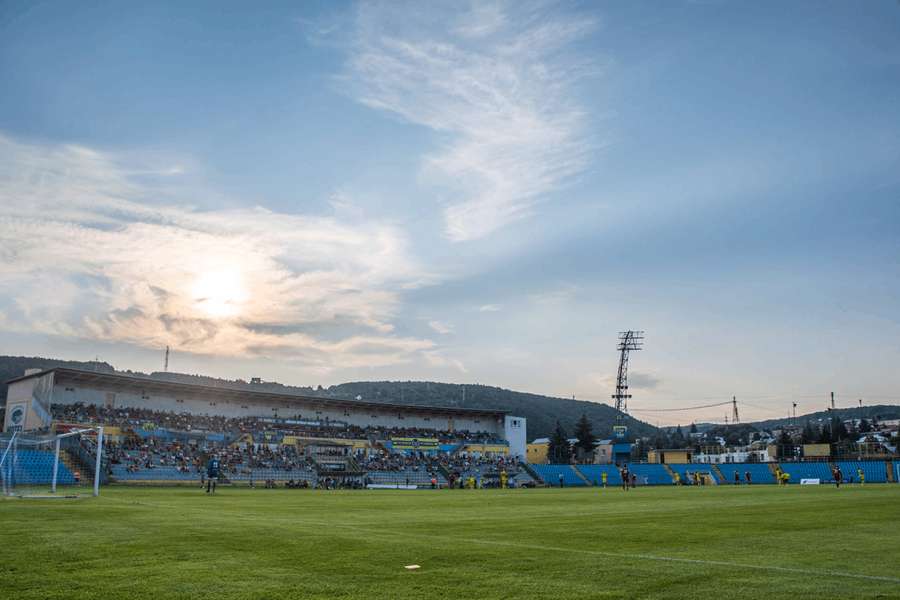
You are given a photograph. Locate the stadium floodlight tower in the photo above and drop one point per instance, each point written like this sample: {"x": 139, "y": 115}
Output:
{"x": 629, "y": 341}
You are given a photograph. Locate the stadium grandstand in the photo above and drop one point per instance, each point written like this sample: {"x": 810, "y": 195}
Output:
{"x": 164, "y": 432}
{"x": 160, "y": 432}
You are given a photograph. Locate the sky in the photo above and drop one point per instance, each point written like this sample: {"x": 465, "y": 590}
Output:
{"x": 481, "y": 192}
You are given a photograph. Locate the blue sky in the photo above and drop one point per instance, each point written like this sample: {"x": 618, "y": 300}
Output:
{"x": 487, "y": 192}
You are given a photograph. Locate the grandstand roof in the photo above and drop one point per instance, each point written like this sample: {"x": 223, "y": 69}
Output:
{"x": 147, "y": 384}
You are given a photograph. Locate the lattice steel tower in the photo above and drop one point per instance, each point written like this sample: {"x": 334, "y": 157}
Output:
{"x": 629, "y": 341}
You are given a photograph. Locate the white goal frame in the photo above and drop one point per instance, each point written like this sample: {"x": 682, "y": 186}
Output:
{"x": 9, "y": 452}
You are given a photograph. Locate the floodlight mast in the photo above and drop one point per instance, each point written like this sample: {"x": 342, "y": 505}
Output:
{"x": 629, "y": 341}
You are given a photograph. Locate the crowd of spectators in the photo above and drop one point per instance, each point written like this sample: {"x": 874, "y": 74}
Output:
{"x": 138, "y": 449}
{"x": 146, "y": 419}
{"x": 150, "y": 453}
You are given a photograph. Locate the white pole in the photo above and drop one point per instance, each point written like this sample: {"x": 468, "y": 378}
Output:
{"x": 97, "y": 465}
{"x": 55, "y": 467}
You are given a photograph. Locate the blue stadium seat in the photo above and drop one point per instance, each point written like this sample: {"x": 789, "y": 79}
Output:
{"x": 651, "y": 474}
{"x": 593, "y": 473}
{"x": 759, "y": 472}
{"x": 550, "y": 474}
{"x": 683, "y": 470}
{"x": 875, "y": 471}
{"x": 36, "y": 467}
{"x": 810, "y": 470}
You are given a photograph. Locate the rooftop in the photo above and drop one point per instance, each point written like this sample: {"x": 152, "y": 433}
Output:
{"x": 148, "y": 385}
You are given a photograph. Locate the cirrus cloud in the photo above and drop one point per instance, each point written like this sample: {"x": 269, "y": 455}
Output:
{"x": 495, "y": 84}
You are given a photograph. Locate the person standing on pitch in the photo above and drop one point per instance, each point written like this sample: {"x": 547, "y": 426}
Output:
{"x": 561, "y": 480}
{"x": 212, "y": 474}
{"x": 862, "y": 476}
{"x": 603, "y": 477}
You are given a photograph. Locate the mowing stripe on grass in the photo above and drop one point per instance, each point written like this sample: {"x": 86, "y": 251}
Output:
{"x": 431, "y": 539}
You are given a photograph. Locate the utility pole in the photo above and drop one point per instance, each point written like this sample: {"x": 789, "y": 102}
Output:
{"x": 166, "y": 363}
{"x": 734, "y": 412}
{"x": 832, "y": 400}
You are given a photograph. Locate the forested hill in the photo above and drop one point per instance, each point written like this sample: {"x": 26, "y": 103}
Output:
{"x": 14, "y": 366}
{"x": 542, "y": 412}
{"x": 877, "y": 411}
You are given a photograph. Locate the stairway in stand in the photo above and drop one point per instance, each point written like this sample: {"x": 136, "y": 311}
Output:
{"x": 74, "y": 465}
{"x": 719, "y": 475}
{"x": 581, "y": 475}
{"x": 669, "y": 471}
{"x": 534, "y": 474}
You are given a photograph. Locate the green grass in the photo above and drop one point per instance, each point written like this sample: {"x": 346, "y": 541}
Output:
{"x": 164, "y": 543}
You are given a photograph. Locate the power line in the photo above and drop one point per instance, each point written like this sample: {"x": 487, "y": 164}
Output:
{"x": 681, "y": 409}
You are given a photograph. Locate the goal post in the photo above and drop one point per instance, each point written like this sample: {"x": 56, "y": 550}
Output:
{"x": 39, "y": 465}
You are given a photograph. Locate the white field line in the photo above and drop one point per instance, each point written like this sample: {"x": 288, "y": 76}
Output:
{"x": 445, "y": 539}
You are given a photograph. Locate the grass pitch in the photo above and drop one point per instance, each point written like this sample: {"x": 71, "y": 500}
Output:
{"x": 746, "y": 542}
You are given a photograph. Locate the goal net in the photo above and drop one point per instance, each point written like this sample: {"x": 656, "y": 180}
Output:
{"x": 53, "y": 466}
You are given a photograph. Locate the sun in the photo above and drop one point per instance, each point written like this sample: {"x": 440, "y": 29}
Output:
{"x": 219, "y": 294}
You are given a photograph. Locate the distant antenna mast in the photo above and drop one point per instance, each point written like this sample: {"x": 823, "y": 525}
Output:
{"x": 166, "y": 363}
{"x": 734, "y": 412}
{"x": 628, "y": 341}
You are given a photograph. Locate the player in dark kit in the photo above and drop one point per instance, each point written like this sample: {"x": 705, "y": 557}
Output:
{"x": 212, "y": 474}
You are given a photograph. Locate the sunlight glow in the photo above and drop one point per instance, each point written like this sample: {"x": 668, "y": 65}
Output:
{"x": 219, "y": 294}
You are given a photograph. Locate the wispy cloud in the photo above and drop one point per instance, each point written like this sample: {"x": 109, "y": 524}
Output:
{"x": 556, "y": 295}
{"x": 436, "y": 358}
{"x": 86, "y": 255}
{"x": 489, "y": 308}
{"x": 440, "y": 327}
{"x": 495, "y": 83}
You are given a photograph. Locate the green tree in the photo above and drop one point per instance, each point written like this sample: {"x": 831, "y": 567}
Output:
{"x": 809, "y": 435}
{"x": 864, "y": 426}
{"x": 584, "y": 431}
{"x": 825, "y": 434}
{"x": 838, "y": 430}
{"x": 559, "y": 451}
{"x": 639, "y": 450}
{"x": 678, "y": 440}
{"x": 661, "y": 441}
{"x": 785, "y": 446}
